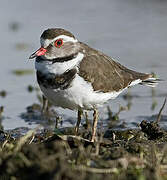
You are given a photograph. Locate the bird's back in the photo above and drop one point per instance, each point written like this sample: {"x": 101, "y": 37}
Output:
{"x": 105, "y": 74}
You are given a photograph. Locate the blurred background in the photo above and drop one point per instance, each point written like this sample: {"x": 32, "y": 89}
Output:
{"x": 133, "y": 32}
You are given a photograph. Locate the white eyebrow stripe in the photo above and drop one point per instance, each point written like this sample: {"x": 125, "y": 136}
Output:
{"x": 46, "y": 42}
{"x": 66, "y": 38}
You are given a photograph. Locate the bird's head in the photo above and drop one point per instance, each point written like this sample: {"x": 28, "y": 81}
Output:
{"x": 56, "y": 44}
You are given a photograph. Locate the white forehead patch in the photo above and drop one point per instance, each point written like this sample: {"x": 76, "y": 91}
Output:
{"x": 46, "y": 42}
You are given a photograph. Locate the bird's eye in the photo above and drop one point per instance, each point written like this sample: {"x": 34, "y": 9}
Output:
{"x": 58, "y": 43}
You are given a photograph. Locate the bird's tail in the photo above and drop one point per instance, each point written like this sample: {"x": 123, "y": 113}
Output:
{"x": 151, "y": 82}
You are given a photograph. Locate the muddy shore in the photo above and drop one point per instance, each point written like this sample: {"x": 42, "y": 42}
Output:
{"x": 58, "y": 154}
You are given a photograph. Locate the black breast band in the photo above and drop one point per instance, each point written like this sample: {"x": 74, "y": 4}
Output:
{"x": 54, "y": 81}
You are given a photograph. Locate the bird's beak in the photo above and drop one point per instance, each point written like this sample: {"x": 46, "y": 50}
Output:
{"x": 41, "y": 51}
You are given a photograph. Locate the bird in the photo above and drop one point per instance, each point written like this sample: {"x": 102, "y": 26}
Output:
{"x": 75, "y": 76}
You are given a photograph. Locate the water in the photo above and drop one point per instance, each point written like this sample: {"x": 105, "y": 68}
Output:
{"x": 131, "y": 31}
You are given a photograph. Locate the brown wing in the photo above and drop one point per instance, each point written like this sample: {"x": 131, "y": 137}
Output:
{"x": 105, "y": 74}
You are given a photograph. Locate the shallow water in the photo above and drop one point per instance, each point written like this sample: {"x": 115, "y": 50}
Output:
{"x": 131, "y": 31}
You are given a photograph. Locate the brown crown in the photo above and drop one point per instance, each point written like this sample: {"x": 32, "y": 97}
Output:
{"x": 54, "y": 32}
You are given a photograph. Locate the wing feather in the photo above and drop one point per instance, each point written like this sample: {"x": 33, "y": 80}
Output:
{"x": 104, "y": 73}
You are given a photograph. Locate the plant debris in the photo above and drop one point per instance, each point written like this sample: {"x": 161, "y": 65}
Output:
{"x": 3, "y": 93}
{"x": 152, "y": 129}
{"x": 30, "y": 88}
{"x": 21, "y": 72}
{"x": 1, "y": 111}
{"x": 51, "y": 156}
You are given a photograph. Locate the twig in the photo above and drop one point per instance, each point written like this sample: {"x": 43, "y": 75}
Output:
{"x": 23, "y": 140}
{"x": 96, "y": 170}
{"x": 160, "y": 112}
{"x": 33, "y": 137}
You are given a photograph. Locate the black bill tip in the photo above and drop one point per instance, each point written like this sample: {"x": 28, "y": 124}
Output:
{"x": 32, "y": 56}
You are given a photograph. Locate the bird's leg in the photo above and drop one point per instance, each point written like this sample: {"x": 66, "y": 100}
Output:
{"x": 44, "y": 104}
{"x": 45, "y": 110}
{"x": 78, "y": 121}
{"x": 87, "y": 120}
{"x": 95, "y": 119}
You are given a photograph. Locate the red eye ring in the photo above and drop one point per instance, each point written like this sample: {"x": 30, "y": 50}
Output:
{"x": 58, "y": 43}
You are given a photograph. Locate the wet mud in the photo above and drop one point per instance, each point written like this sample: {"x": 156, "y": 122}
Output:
{"x": 58, "y": 154}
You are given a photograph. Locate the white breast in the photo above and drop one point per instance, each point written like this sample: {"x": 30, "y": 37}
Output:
{"x": 79, "y": 95}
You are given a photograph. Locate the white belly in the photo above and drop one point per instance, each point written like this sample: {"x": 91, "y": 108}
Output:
{"x": 79, "y": 95}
